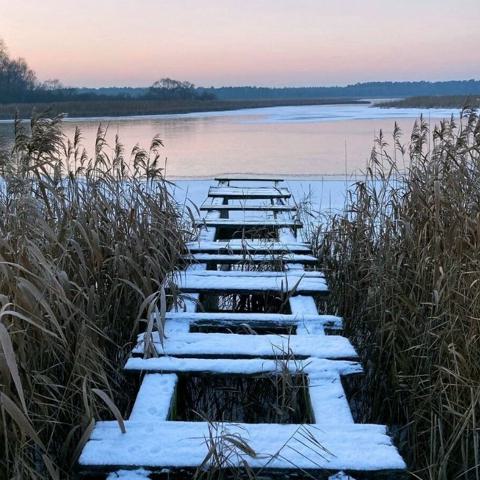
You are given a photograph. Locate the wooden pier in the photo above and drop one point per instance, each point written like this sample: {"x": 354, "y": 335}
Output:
{"x": 207, "y": 335}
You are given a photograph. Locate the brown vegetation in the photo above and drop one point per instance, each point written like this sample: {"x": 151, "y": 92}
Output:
{"x": 83, "y": 243}
{"x": 437, "y": 101}
{"x": 404, "y": 267}
{"x": 137, "y": 106}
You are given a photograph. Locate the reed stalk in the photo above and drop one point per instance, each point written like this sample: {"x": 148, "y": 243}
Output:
{"x": 403, "y": 262}
{"x": 83, "y": 242}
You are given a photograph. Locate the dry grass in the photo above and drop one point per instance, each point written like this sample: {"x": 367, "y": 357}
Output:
{"x": 83, "y": 242}
{"x": 117, "y": 107}
{"x": 404, "y": 267}
{"x": 434, "y": 101}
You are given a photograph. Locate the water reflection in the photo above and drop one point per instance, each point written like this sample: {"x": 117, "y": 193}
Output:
{"x": 285, "y": 140}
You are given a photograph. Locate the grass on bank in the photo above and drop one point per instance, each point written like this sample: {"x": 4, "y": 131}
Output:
{"x": 434, "y": 101}
{"x": 83, "y": 241}
{"x": 403, "y": 263}
{"x": 135, "y": 106}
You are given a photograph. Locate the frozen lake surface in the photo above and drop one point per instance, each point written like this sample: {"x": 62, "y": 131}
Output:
{"x": 292, "y": 141}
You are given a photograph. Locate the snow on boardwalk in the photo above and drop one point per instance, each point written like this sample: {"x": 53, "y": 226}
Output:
{"x": 232, "y": 258}
{"x": 244, "y": 344}
{"x": 223, "y": 345}
{"x": 245, "y": 207}
{"x": 217, "y": 281}
{"x": 257, "y": 246}
{"x": 247, "y": 193}
{"x": 354, "y": 447}
{"x": 260, "y": 223}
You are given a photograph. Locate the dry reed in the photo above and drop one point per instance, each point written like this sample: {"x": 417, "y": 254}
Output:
{"x": 83, "y": 242}
{"x": 403, "y": 262}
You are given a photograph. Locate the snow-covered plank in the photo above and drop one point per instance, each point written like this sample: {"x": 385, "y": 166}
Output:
{"x": 154, "y": 398}
{"x": 224, "y": 258}
{"x": 285, "y": 235}
{"x": 332, "y": 321}
{"x": 355, "y": 447}
{"x": 237, "y": 274}
{"x": 248, "y": 223}
{"x": 340, "y": 476}
{"x": 250, "y": 208}
{"x": 255, "y": 178}
{"x": 213, "y": 281}
{"x": 259, "y": 346}
{"x": 208, "y": 234}
{"x": 179, "y": 322}
{"x": 248, "y": 192}
{"x": 257, "y": 246}
{"x": 301, "y": 305}
{"x": 305, "y": 305}
{"x": 137, "y": 474}
{"x": 328, "y": 400}
{"x": 313, "y": 366}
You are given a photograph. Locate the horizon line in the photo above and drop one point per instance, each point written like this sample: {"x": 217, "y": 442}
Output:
{"x": 291, "y": 86}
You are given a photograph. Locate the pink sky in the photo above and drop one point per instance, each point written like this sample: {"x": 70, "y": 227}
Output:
{"x": 238, "y": 42}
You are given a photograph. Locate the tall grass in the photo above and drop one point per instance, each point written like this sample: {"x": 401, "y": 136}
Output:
{"x": 404, "y": 266}
{"x": 83, "y": 242}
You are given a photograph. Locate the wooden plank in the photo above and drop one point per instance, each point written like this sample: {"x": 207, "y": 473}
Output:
{"x": 227, "y": 259}
{"x": 244, "y": 246}
{"x": 259, "y": 178}
{"x": 236, "y": 282}
{"x": 250, "y": 208}
{"x": 247, "y": 223}
{"x": 233, "y": 345}
{"x": 250, "y": 366}
{"x": 182, "y": 444}
{"x": 151, "y": 385}
{"x": 247, "y": 275}
{"x": 248, "y": 193}
{"x": 332, "y": 322}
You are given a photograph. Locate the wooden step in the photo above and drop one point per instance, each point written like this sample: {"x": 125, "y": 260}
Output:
{"x": 227, "y": 259}
{"x": 181, "y": 322}
{"x": 232, "y": 345}
{"x": 250, "y": 208}
{"x": 255, "y": 178}
{"x": 247, "y": 366}
{"x": 240, "y": 224}
{"x": 248, "y": 193}
{"x": 248, "y": 246}
{"x": 176, "y": 444}
{"x": 236, "y": 282}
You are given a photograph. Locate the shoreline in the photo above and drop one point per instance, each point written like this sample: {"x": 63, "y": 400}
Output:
{"x": 139, "y": 107}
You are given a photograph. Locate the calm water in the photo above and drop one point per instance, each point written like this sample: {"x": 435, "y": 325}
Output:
{"x": 297, "y": 141}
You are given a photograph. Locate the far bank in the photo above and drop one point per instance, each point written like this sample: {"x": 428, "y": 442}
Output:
{"x": 126, "y": 107}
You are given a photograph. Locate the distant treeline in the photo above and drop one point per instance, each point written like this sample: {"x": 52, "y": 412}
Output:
{"x": 358, "y": 90}
{"x": 19, "y": 84}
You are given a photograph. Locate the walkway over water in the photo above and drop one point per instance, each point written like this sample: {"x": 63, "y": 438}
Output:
{"x": 244, "y": 369}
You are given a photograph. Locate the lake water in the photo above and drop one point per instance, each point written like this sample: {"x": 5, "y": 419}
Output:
{"x": 304, "y": 141}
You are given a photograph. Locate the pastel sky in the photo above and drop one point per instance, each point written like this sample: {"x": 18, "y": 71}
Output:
{"x": 238, "y": 42}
